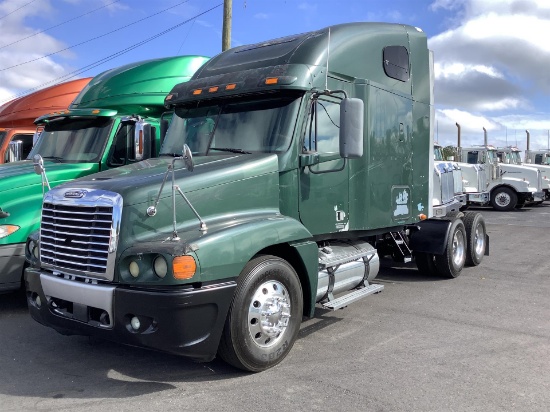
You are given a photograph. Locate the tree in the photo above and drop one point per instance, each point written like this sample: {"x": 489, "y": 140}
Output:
{"x": 449, "y": 151}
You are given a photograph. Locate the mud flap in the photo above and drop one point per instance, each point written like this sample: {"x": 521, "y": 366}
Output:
{"x": 431, "y": 236}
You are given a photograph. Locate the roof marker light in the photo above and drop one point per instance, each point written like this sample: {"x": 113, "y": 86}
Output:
{"x": 197, "y": 91}
{"x": 272, "y": 80}
{"x": 213, "y": 89}
{"x": 231, "y": 86}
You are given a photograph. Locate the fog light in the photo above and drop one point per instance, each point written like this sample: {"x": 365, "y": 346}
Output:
{"x": 38, "y": 301}
{"x": 134, "y": 269}
{"x": 160, "y": 266}
{"x": 135, "y": 323}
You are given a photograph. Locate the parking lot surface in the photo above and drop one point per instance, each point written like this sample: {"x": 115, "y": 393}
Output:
{"x": 480, "y": 342}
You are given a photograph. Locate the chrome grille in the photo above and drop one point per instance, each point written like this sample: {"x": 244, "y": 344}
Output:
{"x": 481, "y": 179}
{"x": 447, "y": 186}
{"x": 79, "y": 236}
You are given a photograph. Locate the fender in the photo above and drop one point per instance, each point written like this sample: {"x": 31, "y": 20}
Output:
{"x": 431, "y": 236}
{"x": 224, "y": 252}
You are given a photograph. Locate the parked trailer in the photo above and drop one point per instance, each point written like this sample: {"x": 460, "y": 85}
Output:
{"x": 17, "y": 128}
{"x": 115, "y": 120}
{"x": 299, "y": 169}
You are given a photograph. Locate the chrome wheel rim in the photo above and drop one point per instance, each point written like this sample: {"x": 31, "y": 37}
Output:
{"x": 459, "y": 249}
{"x": 503, "y": 199}
{"x": 479, "y": 240}
{"x": 269, "y": 313}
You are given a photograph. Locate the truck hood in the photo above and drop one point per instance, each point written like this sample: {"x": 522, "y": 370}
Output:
{"x": 21, "y": 174}
{"x": 222, "y": 189}
{"x": 141, "y": 182}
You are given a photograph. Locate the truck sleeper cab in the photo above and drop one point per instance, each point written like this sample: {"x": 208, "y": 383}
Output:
{"x": 278, "y": 187}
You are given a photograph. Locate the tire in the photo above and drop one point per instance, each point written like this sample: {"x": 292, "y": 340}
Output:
{"x": 453, "y": 259}
{"x": 503, "y": 199}
{"x": 252, "y": 339}
{"x": 425, "y": 263}
{"x": 476, "y": 237}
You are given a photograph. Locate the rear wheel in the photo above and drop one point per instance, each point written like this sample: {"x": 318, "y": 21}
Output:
{"x": 452, "y": 261}
{"x": 265, "y": 315}
{"x": 503, "y": 199}
{"x": 476, "y": 237}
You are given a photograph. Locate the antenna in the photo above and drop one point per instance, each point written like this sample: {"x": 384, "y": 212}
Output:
{"x": 328, "y": 55}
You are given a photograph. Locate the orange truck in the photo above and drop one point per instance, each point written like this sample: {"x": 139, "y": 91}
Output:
{"x": 17, "y": 116}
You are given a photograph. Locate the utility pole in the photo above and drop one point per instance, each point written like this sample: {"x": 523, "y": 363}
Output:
{"x": 226, "y": 30}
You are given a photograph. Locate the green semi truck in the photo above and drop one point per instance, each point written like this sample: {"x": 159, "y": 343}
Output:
{"x": 289, "y": 168}
{"x": 113, "y": 121}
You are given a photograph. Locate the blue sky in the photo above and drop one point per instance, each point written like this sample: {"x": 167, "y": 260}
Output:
{"x": 491, "y": 56}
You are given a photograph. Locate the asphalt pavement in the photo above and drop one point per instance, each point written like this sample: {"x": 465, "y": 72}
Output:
{"x": 480, "y": 342}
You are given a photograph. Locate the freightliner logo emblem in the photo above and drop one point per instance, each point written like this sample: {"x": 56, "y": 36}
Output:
{"x": 75, "y": 194}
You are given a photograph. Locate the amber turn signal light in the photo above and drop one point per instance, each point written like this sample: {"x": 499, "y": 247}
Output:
{"x": 184, "y": 267}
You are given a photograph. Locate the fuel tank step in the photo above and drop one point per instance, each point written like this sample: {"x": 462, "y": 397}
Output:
{"x": 345, "y": 300}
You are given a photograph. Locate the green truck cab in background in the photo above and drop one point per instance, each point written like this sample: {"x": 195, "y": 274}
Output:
{"x": 113, "y": 121}
{"x": 287, "y": 170}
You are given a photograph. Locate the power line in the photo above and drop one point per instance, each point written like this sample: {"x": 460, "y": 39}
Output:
{"x": 94, "y": 38}
{"x": 11, "y": 12}
{"x": 110, "y": 57}
{"x": 60, "y": 24}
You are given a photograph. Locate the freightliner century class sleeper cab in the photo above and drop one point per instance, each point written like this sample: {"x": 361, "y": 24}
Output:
{"x": 288, "y": 169}
{"x": 115, "y": 120}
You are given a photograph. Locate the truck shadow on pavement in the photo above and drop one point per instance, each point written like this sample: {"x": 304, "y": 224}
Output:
{"x": 396, "y": 272}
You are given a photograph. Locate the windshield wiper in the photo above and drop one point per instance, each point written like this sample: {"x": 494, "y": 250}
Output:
{"x": 171, "y": 154}
{"x": 230, "y": 149}
{"x": 55, "y": 158}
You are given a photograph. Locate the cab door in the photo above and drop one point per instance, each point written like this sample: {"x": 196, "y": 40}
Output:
{"x": 324, "y": 176}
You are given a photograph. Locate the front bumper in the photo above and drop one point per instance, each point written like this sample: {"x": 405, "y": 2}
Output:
{"x": 481, "y": 198}
{"x": 539, "y": 196}
{"x": 455, "y": 205}
{"x": 12, "y": 261}
{"x": 182, "y": 321}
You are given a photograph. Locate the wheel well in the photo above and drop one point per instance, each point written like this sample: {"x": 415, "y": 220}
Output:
{"x": 288, "y": 253}
{"x": 504, "y": 185}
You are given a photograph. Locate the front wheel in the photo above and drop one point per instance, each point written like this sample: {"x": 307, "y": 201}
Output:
{"x": 503, "y": 199}
{"x": 264, "y": 318}
{"x": 452, "y": 261}
{"x": 476, "y": 237}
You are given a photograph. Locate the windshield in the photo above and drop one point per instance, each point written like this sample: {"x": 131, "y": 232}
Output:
{"x": 491, "y": 156}
{"x": 73, "y": 140}
{"x": 2, "y": 136}
{"x": 516, "y": 158}
{"x": 438, "y": 153}
{"x": 244, "y": 126}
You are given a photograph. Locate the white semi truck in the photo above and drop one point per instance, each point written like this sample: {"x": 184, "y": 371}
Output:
{"x": 509, "y": 186}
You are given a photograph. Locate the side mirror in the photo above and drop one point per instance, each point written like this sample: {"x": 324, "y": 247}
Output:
{"x": 188, "y": 158}
{"x": 351, "y": 128}
{"x": 15, "y": 151}
{"x": 38, "y": 163}
{"x": 142, "y": 140}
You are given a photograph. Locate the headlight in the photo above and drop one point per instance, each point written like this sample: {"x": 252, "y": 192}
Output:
{"x": 134, "y": 268}
{"x": 160, "y": 266}
{"x": 6, "y": 230}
